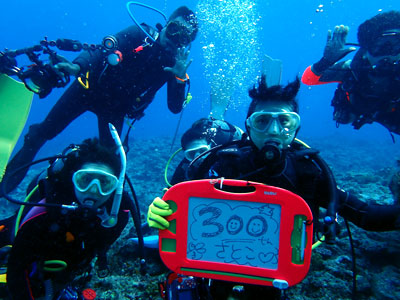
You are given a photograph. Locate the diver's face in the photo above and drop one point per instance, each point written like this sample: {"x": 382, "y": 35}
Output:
{"x": 94, "y": 184}
{"x": 387, "y": 44}
{"x": 386, "y": 50}
{"x": 273, "y": 123}
{"x": 196, "y": 147}
{"x": 176, "y": 34}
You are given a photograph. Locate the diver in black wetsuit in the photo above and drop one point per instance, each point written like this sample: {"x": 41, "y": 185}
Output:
{"x": 53, "y": 245}
{"x": 369, "y": 84}
{"x": 272, "y": 156}
{"x": 203, "y": 135}
{"x": 118, "y": 85}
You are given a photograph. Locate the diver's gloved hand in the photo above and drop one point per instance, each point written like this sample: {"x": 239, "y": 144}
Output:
{"x": 181, "y": 64}
{"x": 156, "y": 213}
{"x": 64, "y": 66}
{"x": 335, "y": 49}
{"x": 7, "y": 64}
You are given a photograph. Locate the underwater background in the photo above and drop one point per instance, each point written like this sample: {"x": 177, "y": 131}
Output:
{"x": 242, "y": 32}
{"x": 227, "y": 55}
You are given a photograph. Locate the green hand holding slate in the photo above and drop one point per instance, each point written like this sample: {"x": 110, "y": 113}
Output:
{"x": 158, "y": 209}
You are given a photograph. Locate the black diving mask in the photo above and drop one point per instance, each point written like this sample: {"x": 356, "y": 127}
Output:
{"x": 178, "y": 33}
{"x": 388, "y": 44}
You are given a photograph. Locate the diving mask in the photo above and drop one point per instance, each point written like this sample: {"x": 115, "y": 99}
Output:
{"x": 388, "y": 44}
{"x": 84, "y": 179}
{"x": 260, "y": 121}
{"x": 178, "y": 33}
{"x": 192, "y": 153}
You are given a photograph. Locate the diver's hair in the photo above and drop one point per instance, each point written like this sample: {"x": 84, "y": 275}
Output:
{"x": 197, "y": 131}
{"x": 372, "y": 28}
{"x": 263, "y": 94}
{"x": 213, "y": 131}
{"x": 90, "y": 151}
{"x": 189, "y": 16}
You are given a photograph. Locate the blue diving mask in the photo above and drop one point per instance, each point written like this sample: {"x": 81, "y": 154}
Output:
{"x": 261, "y": 121}
{"x": 192, "y": 153}
{"x": 84, "y": 179}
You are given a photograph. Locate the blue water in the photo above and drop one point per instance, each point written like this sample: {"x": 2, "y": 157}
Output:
{"x": 292, "y": 31}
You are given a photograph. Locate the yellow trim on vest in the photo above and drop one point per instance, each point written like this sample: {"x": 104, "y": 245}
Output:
{"x": 86, "y": 84}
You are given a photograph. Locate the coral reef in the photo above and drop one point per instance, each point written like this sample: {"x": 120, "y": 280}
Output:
{"x": 360, "y": 167}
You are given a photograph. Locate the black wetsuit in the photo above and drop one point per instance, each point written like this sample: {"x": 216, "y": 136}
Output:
{"x": 74, "y": 237}
{"x": 214, "y": 131}
{"x": 180, "y": 172}
{"x": 114, "y": 92}
{"x": 300, "y": 173}
{"x": 371, "y": 95}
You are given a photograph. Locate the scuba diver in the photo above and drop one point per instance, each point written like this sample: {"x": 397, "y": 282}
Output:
{"x": 368, "y": 89}
{"x": 119, "y": 82}
{"x": 272, "y": 155}
{"x": 76, "y": 212}
{"x": 203, "y": 135}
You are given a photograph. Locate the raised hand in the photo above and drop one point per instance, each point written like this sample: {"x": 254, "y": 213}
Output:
{"x": 336, "y": 48}
{"x": 181, "y": 64}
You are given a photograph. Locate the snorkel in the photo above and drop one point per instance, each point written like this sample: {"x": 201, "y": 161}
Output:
{"x": 112, "y": 219}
